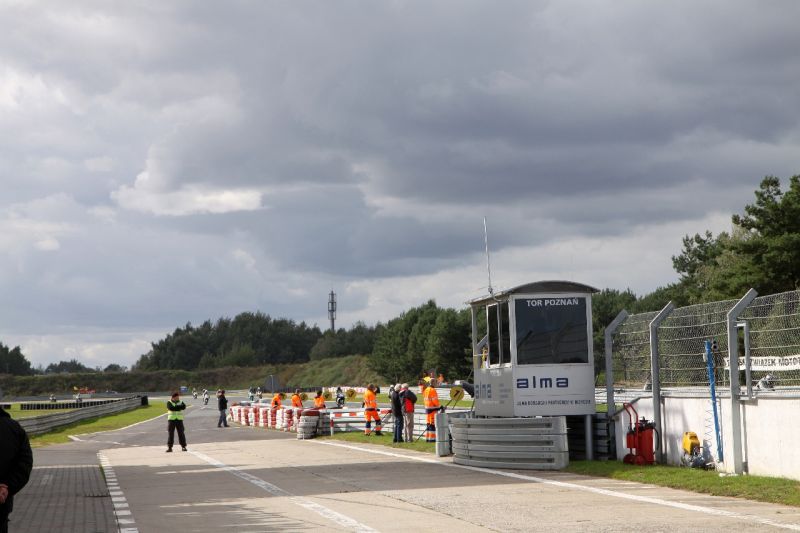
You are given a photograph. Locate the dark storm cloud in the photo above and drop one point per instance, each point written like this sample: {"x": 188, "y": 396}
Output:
{"x": 174, "y": 161}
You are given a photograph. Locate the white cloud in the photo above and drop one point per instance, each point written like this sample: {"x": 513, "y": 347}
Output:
{"x": 48, "y": 244}
{"x": 188, "y": 200}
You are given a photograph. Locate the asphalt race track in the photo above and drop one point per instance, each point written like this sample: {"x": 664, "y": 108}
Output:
{"x": 251, "y": 479}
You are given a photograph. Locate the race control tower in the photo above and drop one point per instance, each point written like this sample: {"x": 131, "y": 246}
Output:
{"x": 532, "y": 351}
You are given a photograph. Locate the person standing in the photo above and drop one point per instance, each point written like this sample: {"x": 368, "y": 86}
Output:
{"x": 16, "y": 463}
{"x": 432, "y": 406}
{"x": 371, "y": 411}
{"x": 175, "y": 408}
{"x": 397, "y": 413}
{"x": 409, "y": 400}
{"x": 222, "y": 405}
{"x": 297, "y": 401}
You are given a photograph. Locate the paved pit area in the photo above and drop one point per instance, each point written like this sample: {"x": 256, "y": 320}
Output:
{"x": 255, "y": 480}
{"x": 290, "y": 485}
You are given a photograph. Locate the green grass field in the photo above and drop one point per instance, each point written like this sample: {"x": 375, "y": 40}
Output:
{"x": 93, "y": 425}
{"x": 759, "y": 488}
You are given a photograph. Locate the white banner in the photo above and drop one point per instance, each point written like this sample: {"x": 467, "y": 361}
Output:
{"x": 770, "y": 364}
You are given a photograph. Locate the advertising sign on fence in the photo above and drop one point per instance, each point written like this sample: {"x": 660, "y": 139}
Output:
{"x": 770, "y": 364}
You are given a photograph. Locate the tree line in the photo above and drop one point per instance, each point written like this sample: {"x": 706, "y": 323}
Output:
{"x": 762, "y": 251}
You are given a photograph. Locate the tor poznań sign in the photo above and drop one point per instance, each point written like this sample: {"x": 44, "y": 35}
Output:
{"x": 551, "y": 344}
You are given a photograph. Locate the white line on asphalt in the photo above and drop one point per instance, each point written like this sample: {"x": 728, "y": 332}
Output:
{"x": 574, "y": 486}
{"x": 330, "y": 514}
{"x": 122, "y": 514}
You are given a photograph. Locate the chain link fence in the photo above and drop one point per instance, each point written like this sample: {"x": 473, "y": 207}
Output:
{"x": 768, "y": 329}
{"x": 773, "y": 324}
{"x": 681, "y": 344}
{"x": 631, "y": 351}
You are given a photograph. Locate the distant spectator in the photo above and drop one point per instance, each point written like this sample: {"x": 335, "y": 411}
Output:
{"x": 409, "y": 400}
{"x": 276, "y": 401}
{"x": 296, "y": 400}
{"x": 222, "y": 405}
{"x": 319, "y": 400}
{"x": 397, "y": 412}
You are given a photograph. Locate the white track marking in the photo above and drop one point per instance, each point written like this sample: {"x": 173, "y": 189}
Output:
{"x": 77, "y": 439}
{"x": 125, "y": 521}
{"x": 574, "y": 486}
{"x": 330, "y": 514}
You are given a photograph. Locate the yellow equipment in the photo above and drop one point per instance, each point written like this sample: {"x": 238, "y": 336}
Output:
{"x": 690, "y": 443}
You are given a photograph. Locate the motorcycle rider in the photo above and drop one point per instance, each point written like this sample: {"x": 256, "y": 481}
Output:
{"x": 339, "y": 397}
{"x": 205, "y": 396}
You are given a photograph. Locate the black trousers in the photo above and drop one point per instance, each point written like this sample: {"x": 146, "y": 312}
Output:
{"x": 172, "y": 425}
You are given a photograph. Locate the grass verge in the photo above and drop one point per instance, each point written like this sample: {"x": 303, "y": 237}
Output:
{"x": 93, "y": 425}
{"x": 383, "y": 440}
{"x": 758, "y": 488}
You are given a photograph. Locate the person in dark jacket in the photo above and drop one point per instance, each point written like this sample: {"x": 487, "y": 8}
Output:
{"x": 397, "y": 413}
{"x": 16, "y": 463}
{"x": 175, "y": 408}
{"x": 222, "y": 405}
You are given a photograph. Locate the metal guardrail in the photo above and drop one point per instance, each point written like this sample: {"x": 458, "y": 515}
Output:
{"x": 42, "y": 424}
{"x": 525, "y": 443}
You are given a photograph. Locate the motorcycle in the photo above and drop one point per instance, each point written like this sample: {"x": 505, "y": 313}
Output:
{"x": 205, "y": 400}
{"x": 340, "y": 400}
{"x": 194, "y": 394}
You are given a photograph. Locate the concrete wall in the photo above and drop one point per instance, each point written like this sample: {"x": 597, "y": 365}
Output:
{"x": 769, "y": 431}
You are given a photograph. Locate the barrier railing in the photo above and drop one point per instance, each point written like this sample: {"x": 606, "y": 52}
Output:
{"x": 42, "y": 424}
{"x": 526, "y": 443}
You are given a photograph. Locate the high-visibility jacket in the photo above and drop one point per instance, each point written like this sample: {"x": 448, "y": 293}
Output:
{"x": 319, "y": 402}
{"x": 175, "y": 410}
{"x": 370, "y": 403}
{"x": 431, "y": 399}
{"x": 296, "y": 401}
{"x": 276, "y": 400}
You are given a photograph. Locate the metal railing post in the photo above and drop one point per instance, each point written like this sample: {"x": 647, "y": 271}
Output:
{"x": 656, "y": 378}
{"x": 733, "y": 367}
{"x": 609, "y": 337}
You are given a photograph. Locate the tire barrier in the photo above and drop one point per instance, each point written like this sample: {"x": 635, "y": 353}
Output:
{"x": 330, "y": 421}
{"x": 32, "y": 406}
{"x": 524, "y": 443}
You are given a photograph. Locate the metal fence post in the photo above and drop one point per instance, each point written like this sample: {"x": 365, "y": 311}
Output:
{"x": 656, "y": 378}
{"x": 609, "y": 337}
{"x": 733, "y": 367}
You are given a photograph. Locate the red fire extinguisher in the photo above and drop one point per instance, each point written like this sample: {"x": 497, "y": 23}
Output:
{"x": 640, "y": 439}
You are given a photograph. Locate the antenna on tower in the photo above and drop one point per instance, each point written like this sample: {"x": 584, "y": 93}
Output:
{"x": 488, "y": 263}
{"x": 332, "y": 310}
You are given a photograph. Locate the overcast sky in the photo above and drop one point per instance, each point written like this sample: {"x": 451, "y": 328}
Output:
{"x": 167, "y": 162}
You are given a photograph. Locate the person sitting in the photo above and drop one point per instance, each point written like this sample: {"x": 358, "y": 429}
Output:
{"x": 297, "y": 402}
{"x": 319, "y": 400}
{"x": 276, "y": 401}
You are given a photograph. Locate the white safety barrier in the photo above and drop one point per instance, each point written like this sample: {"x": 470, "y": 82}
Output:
{"x": 526, "y": 443}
